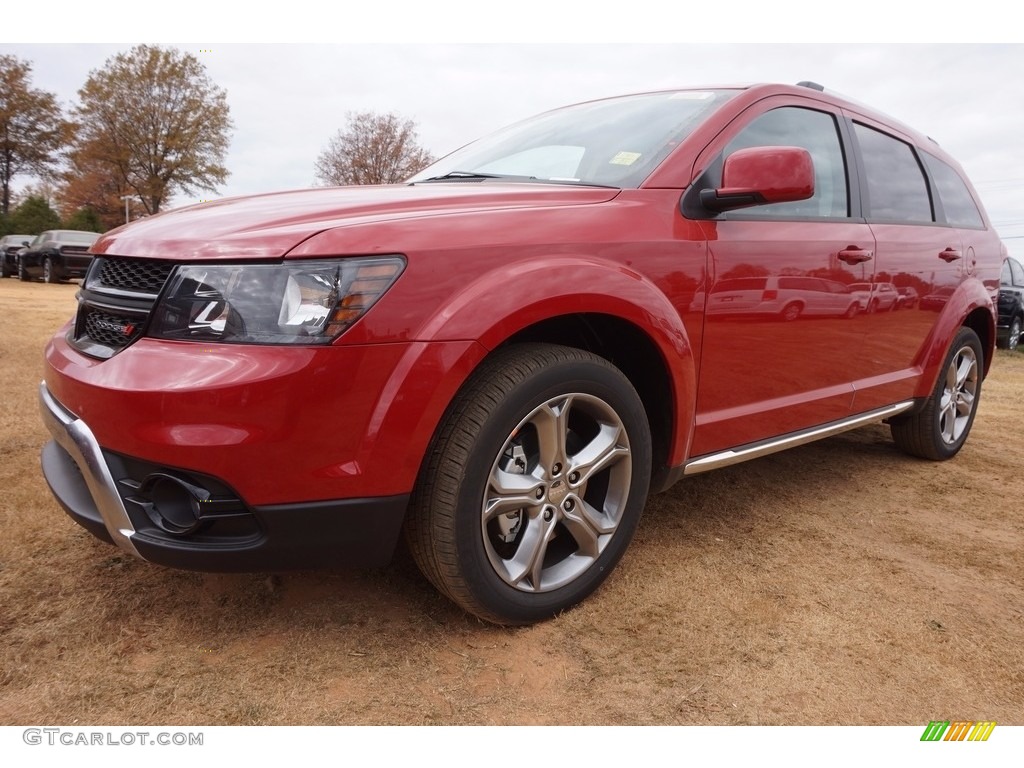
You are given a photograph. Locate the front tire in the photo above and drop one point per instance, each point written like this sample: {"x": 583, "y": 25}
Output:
{"x": 49, "y": 274}
{"x": 534, "y": 484}
{"x": 23, "y": 275}
{"x": 939, "y": 430}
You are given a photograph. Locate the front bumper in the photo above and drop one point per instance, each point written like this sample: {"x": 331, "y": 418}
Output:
{"x": 102, "y": 492}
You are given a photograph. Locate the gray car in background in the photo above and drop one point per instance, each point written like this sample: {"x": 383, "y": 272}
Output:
{"x": 9, "y": 247}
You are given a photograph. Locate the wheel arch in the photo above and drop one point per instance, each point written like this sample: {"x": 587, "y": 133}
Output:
{"x": 981, "y": 322}
{"x": 632, "y": 351}
{"x": 970, "y": 306}
{"x": 594, "y": 304}
{"x": 798, "y": 303}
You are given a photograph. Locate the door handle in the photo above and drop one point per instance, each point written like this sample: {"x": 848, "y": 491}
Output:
{"x": 854, "y": 255}
{"x": 949, "y": 255}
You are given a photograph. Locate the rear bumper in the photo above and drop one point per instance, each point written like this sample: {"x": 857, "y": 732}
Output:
{"x": 103, "y": 493}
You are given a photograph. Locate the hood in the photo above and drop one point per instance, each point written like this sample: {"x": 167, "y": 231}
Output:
{"x": 268, "y": 226}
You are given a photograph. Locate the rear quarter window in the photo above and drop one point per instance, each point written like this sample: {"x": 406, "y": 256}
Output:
{"x": 957, "y": 202}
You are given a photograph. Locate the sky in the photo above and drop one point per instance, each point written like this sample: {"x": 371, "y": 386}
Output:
{"x": 288, "y": 98}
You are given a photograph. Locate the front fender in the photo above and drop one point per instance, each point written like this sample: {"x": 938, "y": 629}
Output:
{"x": 511, "y": 298}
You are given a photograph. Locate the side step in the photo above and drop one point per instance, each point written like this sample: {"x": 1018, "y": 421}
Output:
{"x": 765, "y": 447}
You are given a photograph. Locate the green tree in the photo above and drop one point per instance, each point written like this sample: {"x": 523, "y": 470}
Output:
{"x": 85, "y": 219}
{"x": 34, "y": 215}
{"x": 372, "y": 149}
{"x": 154, "y": 122}
{"x": 32, "y": 127}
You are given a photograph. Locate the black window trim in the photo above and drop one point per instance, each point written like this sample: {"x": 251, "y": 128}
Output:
{"x": 935, "y": 203}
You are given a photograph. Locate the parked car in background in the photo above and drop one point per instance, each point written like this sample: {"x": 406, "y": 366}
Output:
{"x": 908, "y": 297}
{"x": 1011, "y": 304}
{"x": 56, "y": 255}
{"x": 9, "y": 247}
{"x": 788, "y": 296}
{"x": 876, "y": 297}
{"x": 501, "y": 358}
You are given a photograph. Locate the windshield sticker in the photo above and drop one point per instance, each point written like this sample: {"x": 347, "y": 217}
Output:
{"x": 624, "y": 158}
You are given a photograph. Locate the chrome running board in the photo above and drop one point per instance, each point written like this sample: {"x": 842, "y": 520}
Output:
{"x": 756, "y": 450}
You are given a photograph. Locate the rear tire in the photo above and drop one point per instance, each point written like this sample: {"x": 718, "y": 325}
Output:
{"x": 791, "y": 311}
{"x": 1013, "y": 337}
{"x": 939, "y": 430}
{"x": 534, "y": 484}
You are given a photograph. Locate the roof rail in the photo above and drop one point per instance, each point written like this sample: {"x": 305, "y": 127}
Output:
{"x": 811, "y": 84}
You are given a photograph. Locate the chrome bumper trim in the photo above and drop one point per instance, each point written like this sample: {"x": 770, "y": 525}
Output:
{"x": 74, "y": 436}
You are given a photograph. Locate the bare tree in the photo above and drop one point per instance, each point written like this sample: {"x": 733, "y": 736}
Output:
{"x": 372, "y": 149}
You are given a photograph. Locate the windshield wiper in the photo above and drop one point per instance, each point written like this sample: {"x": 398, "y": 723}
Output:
{"x": 466, "y": 176}
{"x": 476, "y": 176}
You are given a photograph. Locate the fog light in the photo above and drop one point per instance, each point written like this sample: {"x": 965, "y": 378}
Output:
{"x": 172, "y": 504}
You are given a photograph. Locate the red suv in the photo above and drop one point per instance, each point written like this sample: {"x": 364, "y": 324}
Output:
{"x": 504, "y": 356}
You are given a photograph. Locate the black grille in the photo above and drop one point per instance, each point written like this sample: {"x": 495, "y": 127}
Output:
{"x": 114, "y": 331}
{"x": 115, "y": 302}
{"x": 140, "y": 275}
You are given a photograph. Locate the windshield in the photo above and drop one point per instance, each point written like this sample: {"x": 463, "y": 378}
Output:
{"x": 614, "y": 142}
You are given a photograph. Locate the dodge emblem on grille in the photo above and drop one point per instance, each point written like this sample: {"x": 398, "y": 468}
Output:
{"x": 111, "y": 325}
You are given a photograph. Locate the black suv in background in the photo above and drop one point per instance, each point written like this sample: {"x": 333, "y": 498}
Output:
{"x": 9, "y": 247}
{"x": 1011, "y": 304}
{"x": 57, "y": 255}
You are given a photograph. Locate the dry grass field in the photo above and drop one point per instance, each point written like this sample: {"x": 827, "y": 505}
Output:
{"x": 839, "y": 583}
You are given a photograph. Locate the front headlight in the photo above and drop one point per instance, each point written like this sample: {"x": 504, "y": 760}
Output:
{"x": 302, "y": 302}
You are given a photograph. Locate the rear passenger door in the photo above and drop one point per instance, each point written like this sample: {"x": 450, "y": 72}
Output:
{"x": 913, "y": 249}
{"x": 785, "y": 364}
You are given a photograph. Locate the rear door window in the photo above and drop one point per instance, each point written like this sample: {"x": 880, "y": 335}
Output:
{"x": 897, "y": 190}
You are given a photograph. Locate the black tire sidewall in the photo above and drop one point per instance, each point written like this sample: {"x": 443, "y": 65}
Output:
{"x": 513, "y": 605}
{"x": 964, "y": 338}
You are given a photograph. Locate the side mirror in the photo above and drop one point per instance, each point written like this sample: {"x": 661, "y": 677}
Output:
{"x": 761, "y": 175}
